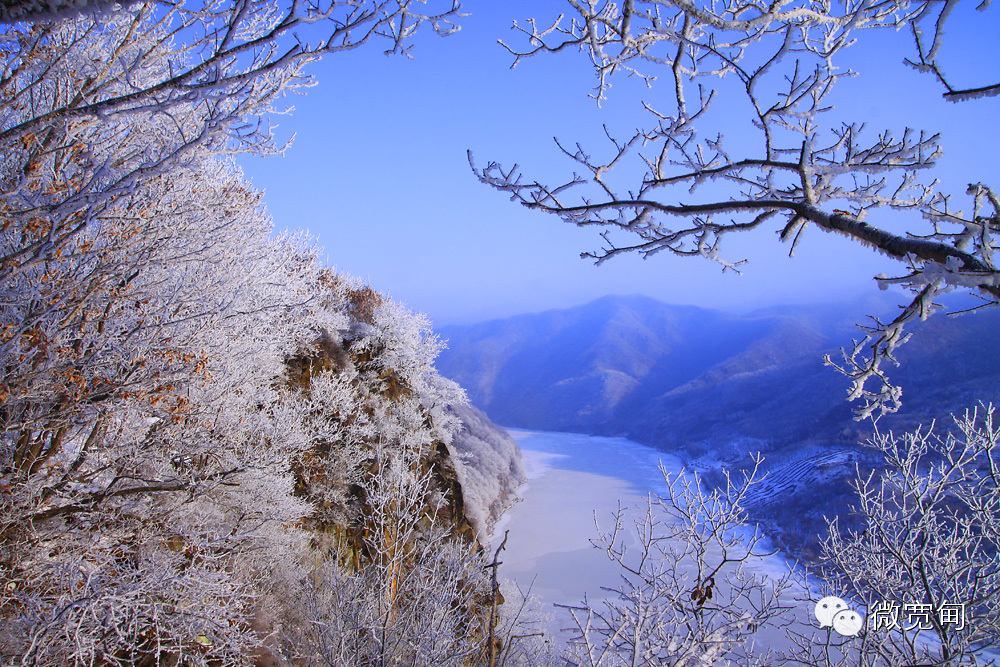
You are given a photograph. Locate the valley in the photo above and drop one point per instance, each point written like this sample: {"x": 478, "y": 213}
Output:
{"x": 714, "y": 389}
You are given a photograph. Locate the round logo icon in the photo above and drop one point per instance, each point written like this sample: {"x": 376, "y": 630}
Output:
{"x": 833, "y": 612}
{"x": 847, "y": 622}
{"x": 827, "y": 608}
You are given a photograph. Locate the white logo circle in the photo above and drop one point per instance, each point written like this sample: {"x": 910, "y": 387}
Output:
{"x": 847, "y": 622}
{"x": 827, "y": 608}
{"x": 833, "y": 612}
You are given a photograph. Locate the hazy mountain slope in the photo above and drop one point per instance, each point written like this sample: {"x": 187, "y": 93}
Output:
{"x": 585, "y": 368}
{"x": 637, "y": 367}
{"x": 714, "y": 387}
{"x": 683, "y": 377}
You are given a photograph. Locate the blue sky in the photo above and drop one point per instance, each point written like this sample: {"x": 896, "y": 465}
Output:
{"x": 378, "y": 172}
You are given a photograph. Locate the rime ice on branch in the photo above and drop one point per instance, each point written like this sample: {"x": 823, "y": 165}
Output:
{"x": 777, "y": 61}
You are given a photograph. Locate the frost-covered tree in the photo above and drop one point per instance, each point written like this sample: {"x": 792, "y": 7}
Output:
{"x": 689, "y": 593}
{"x": 490, "y": 464}
{"x": 922, "y": 566}
{"x": 925, "y": 562}
{"x": 42, "y": 10}
{"x": 146, "y": 442}
{"x": 677, "y": 186}
{"x": 395, "y": 573}
{"x": 416, "y": 595}
{"x": 242, "y": 414}
{"x": 149, "y": 320}
{"x": 95, "y": 107}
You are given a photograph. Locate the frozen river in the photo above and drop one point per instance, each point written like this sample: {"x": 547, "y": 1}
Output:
{"x": 574, "y": 480}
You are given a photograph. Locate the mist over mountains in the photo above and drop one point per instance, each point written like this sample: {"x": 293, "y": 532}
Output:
{"x": 713, "y": 387}
{"x": 673, "y": 376}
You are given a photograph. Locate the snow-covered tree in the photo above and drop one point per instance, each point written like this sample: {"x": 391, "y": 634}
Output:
{"x": 689, "y": 592}
{"x": 688, "y": 189}
{"x": 155, "y": 425}
{"x": 40, "y": 10}
{"x": 96, "y": 107}
{"x": 415, "y": 595}
{"x": 146, "y": 441}
{"x": 925, "y": 561}
{"x": 395, "y": 574}
{"x": 490, "y": 467}
{"x": 922, "y": 566}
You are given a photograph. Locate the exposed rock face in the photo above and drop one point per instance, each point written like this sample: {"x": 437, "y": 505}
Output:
{"x": 329, "y": 474}
{"x": 403, "y": 480}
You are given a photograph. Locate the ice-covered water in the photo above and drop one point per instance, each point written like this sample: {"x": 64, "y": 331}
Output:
{"x": 575, "y": 480}
{"x": 572, "y": 479}
{"x": 576, "y": 483}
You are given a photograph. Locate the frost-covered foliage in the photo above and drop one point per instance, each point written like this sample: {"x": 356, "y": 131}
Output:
{"x": 418, "y": 600}
{"x": 48, "y": 10}
{"x": 679, "y": 187}
{"x": 689, "y": 595}
{"x": 96, "y": 109}
{"x": 370, "y": 383}
{"x": 194, "y": 411}
{"x": 146, "y": 444}
{"x": 174, "y": 438}
{"x": 184, "y": 393}
{"x": 489, "y": 466}
{"x": 929, "y": 536}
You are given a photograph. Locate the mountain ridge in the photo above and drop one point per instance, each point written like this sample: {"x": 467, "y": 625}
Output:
{"x": 636, "y": 367}
{"x": 587, "y": 368}
{"x": 715, "y": 388}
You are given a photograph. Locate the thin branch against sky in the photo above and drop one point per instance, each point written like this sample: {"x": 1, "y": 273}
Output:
{"x": 378, "y": 173}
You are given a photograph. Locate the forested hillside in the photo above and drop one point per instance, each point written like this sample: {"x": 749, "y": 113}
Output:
{"x": 183, "y": 447}
{"x": 692, "y": 381}
{"x": 215, "y": 450}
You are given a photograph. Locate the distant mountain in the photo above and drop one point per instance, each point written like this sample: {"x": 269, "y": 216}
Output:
{"x": 681, "y": 377}
{"x": 578, "y": 369}
{"x": 712, "y": 387}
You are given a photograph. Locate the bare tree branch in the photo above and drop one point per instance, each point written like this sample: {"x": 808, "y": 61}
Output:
{"x": 806, "y": 170}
